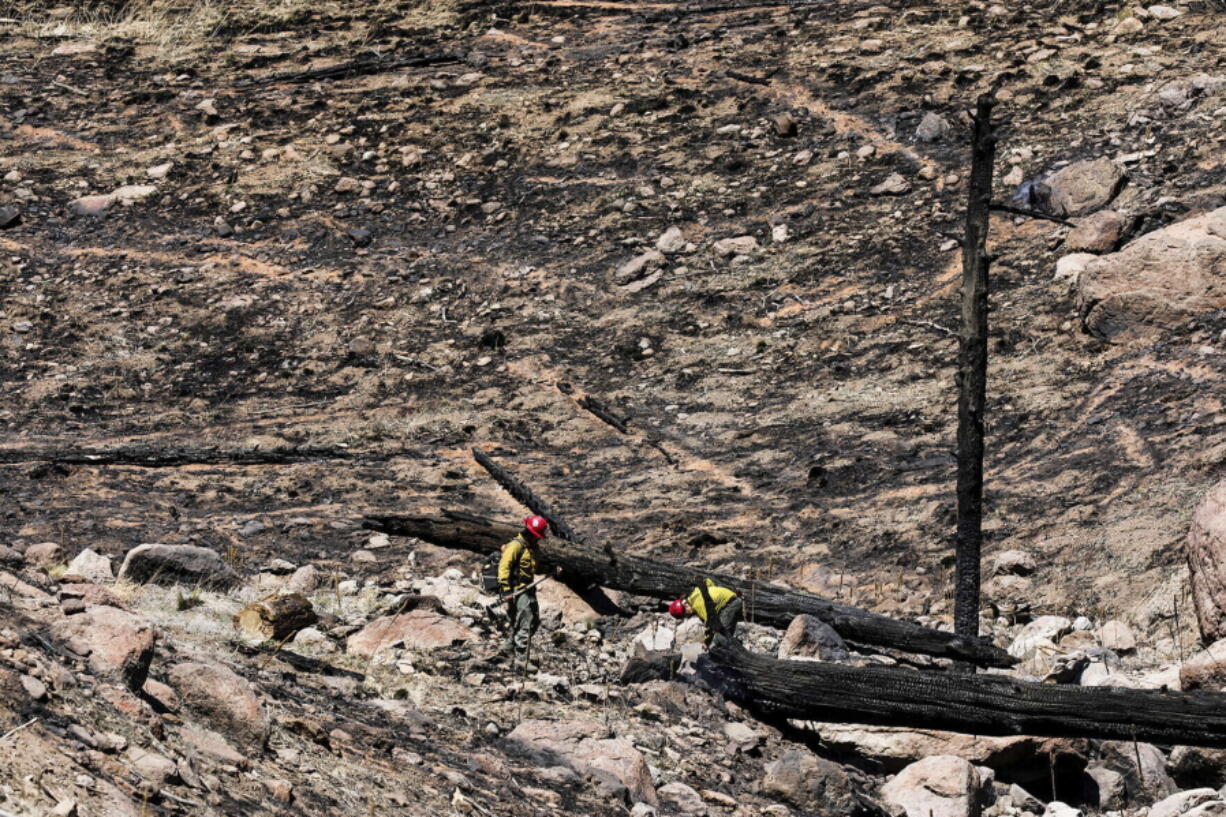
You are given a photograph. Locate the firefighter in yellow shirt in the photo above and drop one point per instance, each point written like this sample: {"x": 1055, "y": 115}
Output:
{"x": 519, "y": 563}
{"x": 727, "y": 604}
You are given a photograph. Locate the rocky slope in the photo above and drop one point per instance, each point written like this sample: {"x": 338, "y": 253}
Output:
{"x": 727, "y": 225}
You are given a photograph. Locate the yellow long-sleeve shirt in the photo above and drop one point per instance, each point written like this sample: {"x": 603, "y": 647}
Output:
{"x": 720, "y": 596}
{"x": 517, "y": 565}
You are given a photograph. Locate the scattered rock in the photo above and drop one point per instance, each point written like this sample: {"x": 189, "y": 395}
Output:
{"x": 9, "y": 217}
{"x": 784, "y": 124}
{"x": 347, "y": 184}
{"x": 742, "y": 737}
{"x": 420, "y": 629}
{"x": 637, "y": 266}
{"x": 162, "y": 696}
{"x": 894, "y": 185}
{"x": 160, "y": 171}
{"x": 671, "y": 241}
{"x": 1058, "y": 809}
{"x": 681, "y": 799}
{"x": 44, "y": 554}
{"x": 741, "y": 245}
{"x": 121, "y": 644}
{"x": 177, "y": 564}
{"x": 808, "y": 637}
{"x": 1116, "y": 636}
{"x": 305, "y": 580}
{"x": 1069, "y": 268}
{"x": 586, "y": 747}
{"x": 1097, "y": 233}
{"x": 212, "y": 745}
{"x": 811, "y": 783}
{"x": 91, "y": 205}
{"x": 1206, "y": 551}
{"x": 1164, "y": 12}
{"x": 223, "y": 698}
{"x": 940, "y": 786}
{"x": 155, "y": 768}
{"x": 932, "y": 128}
{"x": 91, "y": 566}
{"x": 1109, "y": 789}
{"x": 1195, "y": 766}
{"x": 1083, "y": 187}
{"x": 1013, "y": 563}
{"x": 1189, "y": 803}
{"x": 1206, "y": 669}
{"x": 1044, "y": 629}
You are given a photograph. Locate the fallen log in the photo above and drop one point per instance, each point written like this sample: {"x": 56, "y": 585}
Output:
{"x": 152, "y": 456}
{"x": 764, "y": 603}
{"x": 276, "y": 618}
{"x": 973, "y": 704}
{"x": 523, "y": 494}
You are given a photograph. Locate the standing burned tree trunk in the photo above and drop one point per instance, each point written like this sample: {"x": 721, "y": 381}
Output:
{"x": 973, "y": 372}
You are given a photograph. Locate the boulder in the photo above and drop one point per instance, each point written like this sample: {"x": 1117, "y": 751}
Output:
{"x": 561, "y": 604}
{"x": 653, "y": 638}
{"x": 1013, "y": 563}
{"x": 588, "y": 748}
{"x": 808, "y": 637}
{"x": 1146, "y": 783}
{"x": 420, "y": 629}
{"x": 1206, "y": 669}
{"x": 1041, "y": 633}
{"x": 893, "y": 748}
{"x": 1083, "y": 187}
{"x": 1109, "y": 791}
{"x": 1117, "y": 637}
{"x": 938, "y": 786}
{"x": 1206, "y": 551}
{"x": 91, "y": 566}
{"x": 813, "y": 784}
{"x": 44, "y": 554}
{"x": 1195, "y": 766}
{"x": 305, "y": 580}
{"x": 678, "y": 798}
{"x": 224, "y": 699}
{"x": 1096, "y": 233}
{"x": 1189, "y": 802}
{"x": 1157, "y": 282}
{"x": 120, "y": 643}
{"x": 177, "y": 564}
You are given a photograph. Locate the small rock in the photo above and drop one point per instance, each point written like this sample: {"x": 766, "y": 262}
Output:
{"x": 808, "y": 637}
{"x": 44, "y": 554}
{"x": 64, "y": 808}
{"x": 1097, "y": 233}
{"x": 91, "y": 566}
{"x": 1129, "y": 25}
{"x": 741, "y": 245}
{"x": 153, "y": 767}
{"x": 1185, "y": 801}
{"x": 637, "y": 266}
{"x": 937, "y": 786}
{"x": 681, "y": 799}
{"x": 932, "y": 128}
{"x": 1109, "y": 783}
{"x": 871, "y": 46}
{"x": 784, "y": 124}
{"x": 1164, "y": 12}
{"x": 9, "y": 217}
{"x": 347, "y": 184}
{"x": 1057, "y": 809}
{"x": 1014, "y": 563}
{"x": 1116, "y": 636}
{"x": 91, "y": 205}
{"x": 1070, "y": 267}
{"x": 671, "y": 241}
{"x": 160, "y": 171}
{"x": 894, "y": 185}
{"x": 363, "y": 557}
{"x": 1014, "y": 177}
{"x": 35, "y": 688}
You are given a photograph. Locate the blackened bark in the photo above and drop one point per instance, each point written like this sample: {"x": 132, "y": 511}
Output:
{"x": 972, "y": 375}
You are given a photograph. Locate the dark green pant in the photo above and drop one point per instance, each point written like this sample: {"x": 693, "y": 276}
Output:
{"x": 525, "y": 616}
{"x": 727, "y": 617}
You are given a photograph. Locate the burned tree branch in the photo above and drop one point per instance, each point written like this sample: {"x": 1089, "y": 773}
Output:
{"x": 974, "y": 704}
{"x": 151, "y": 456}
{"x": 766, "y": 604}
{"x": 524, "y": 495}
{"x": 603, "y": 412}
{"x": 1024, "y": 211}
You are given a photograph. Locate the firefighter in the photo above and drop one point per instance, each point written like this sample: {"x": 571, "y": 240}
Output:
{"x": 727, "y": 603}
{"x": 520, "y": 561}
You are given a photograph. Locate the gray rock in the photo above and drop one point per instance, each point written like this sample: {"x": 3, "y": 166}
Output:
{"x": 1097, "y": 233}
{"x": 671, "y": 241}
{"x": 894, "y": 185}
{"x": 810, "y": 637}
{"x": 813, "y": 784}
{"x": 177, "y": 564}
{"x": 638, "y": 266}
{"x": 1194, "y": 766}
{"x": 938, "y": 786}
{"x": 1024, "y": 800}
{"x": 681, "y": 799}
{"x": 1109, "y": 785}
{"x": 1083, "y": 187}
{"x": 740, "y": 245}
{"x": 1185, "y": 802}
{"x": 932, "y": 128}
{"x": 1013, "y": 563}
{"x": 91, "y": 566}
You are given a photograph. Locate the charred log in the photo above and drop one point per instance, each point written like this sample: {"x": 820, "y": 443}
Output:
{"x": 152, "y": 456}
{"x": 524, "y": 495}
{"x": 973, "y": 704}
{"x": 764, "y": 603}
{"x": 275, "y": 619}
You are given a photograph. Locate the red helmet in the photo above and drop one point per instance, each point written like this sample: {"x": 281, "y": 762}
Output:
{"x": 677, "y": 608}
{"x": 538, "y": 526}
